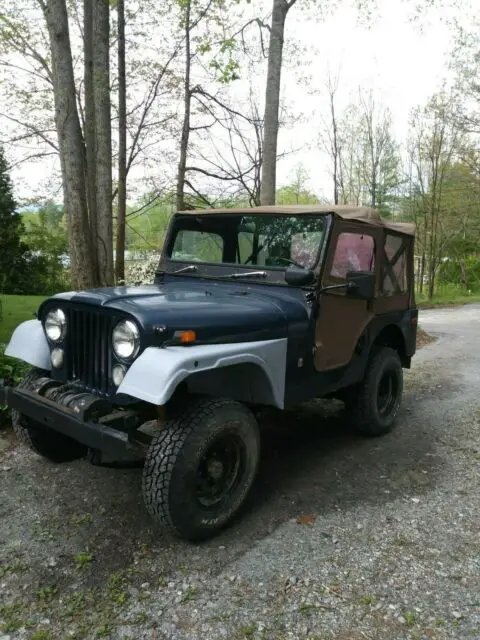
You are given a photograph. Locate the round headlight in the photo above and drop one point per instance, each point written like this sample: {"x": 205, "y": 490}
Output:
{"x": 55, "y": 325}
{"x": 57, "y": 357}
{"x": 126, "y": 340}
{"x": 118, "y": 374}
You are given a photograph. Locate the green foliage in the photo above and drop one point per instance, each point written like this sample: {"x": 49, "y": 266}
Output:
{"x": 410, "y": 618}
{"x": 464, "y": 272}
{"x": 446, "y": 295}
{"x": 41, "y": 634}
{"x": 46, "y": 236}
{"x": 297, "y": 192}
{"x": 10, "y": 369}
{"x": 29, "y": 253}
{"x": 12, "y": 249}
{"x": 453, "y": 254}
{"x": 83, "y": 559}
{"x": 16, "y": 309}
{"x": 219, "y": 49}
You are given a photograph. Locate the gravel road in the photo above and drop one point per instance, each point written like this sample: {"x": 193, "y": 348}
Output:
{"x": 343, "y": 539}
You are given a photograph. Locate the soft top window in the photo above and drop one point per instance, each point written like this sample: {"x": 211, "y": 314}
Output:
{"x": 395, "y": 267}
{"x": 257, "y": 240}
{"x": 354, "y": 252}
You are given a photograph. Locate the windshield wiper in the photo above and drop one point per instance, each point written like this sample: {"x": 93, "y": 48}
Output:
{"x": 247, "y": 274}
{"x": 191, "y": 268}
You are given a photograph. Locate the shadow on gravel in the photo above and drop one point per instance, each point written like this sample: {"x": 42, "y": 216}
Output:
{"x": 311, "y": 464}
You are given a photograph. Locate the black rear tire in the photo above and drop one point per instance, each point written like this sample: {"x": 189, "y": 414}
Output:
{"x": 200, "y": 468}
{"x": 45, "y": 442}
{"x": 374, "y": 403}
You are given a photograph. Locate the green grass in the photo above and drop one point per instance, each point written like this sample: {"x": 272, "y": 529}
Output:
{"x": 16, "y": 309}
{"x": 446, "y": 295}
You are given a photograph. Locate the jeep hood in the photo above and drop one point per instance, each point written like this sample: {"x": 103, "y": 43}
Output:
{"x": 217, "y": 312}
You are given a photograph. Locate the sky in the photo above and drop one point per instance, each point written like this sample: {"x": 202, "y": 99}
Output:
{"x": 402, "y": 63}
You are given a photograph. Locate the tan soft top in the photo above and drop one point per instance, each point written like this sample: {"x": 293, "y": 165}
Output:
{"x": 360, "y": 214}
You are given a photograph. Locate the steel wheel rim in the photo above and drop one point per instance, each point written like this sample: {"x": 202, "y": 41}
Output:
{"x": 220, "y": 470}
{"x": 387, "y": 393}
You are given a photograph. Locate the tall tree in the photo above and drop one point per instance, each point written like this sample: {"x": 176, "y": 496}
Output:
{"x": 465, "y": 62}
{"x": 297, "y": 192}
{"x": 434, "y": 144}
{"x": 103, "y": 139}
{"x": 330, "y": 137}
{"x": 32, "y": 117}
{"x": 349, "y": 174}
{"x": 70, "y": 142}
{"x": 12, "y": 249}
{"x": 89, "y": 126}
{"x": 122, "y": 147}
{"x": 272, "y": 100}
{"x": 187, "y": 101}
{"x": 380, "y": 159}
{"x": 208, "y": 49}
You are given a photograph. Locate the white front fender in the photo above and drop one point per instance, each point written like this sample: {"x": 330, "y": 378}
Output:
{"x": 154, "y": 375}
{"x": 28, "y": 343}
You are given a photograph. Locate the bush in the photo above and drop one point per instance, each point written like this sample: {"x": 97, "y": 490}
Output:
{"x": 11, "y": 371}
{"x": 142, "y": 272}
{"x": 451, "y": 272}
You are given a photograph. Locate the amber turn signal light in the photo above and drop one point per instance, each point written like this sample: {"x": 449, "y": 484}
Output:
{"x": 186, "y": 337}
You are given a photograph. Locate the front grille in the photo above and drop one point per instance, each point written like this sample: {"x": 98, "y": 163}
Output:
{"x": 88, "y": 348}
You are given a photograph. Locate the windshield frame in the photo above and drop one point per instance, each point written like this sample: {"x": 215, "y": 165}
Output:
{"x": 221, "y": 270}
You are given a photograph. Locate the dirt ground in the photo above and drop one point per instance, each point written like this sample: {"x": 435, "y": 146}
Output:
{"x": 343, "y": 538}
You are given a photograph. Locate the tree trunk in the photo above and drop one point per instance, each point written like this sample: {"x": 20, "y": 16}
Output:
{"x": 182, "y": 163}
{"x": 464, "y": 273}
{"x": 272, "y": 101}
{"x": 335, "y": 148}
{"x": 103, "y": 139}
{"x": 422, "y": 272}
{"x": 70, "y": 144}
{"x": 431, "y": 281}
{"x": 122, "y": 147}
{"x": 89, "y": 127}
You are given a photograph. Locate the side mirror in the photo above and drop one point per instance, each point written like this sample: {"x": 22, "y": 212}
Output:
{"x": 361, "y": 285}
{"x": 298, "y": 277}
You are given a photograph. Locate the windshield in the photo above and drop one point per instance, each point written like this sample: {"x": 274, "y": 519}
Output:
{"x": 273, "y": 241}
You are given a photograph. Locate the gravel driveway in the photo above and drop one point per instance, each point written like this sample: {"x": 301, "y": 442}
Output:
{"x": 344, "y": 538}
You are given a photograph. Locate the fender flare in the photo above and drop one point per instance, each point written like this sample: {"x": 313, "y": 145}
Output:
{"x": 157, "y": 372}
{"x": 28, "y": 343}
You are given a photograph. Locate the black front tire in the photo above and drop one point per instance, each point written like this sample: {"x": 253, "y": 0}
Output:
{"x": 45, "y": 442}
{"x": 374, "y": 403}
{"x": 200, "y": 467}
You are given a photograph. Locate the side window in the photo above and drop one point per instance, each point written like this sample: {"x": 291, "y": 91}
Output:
{"x": 395, "y": 268}
{"x": 354, "y": 252}
{"x": 193, "y": 245}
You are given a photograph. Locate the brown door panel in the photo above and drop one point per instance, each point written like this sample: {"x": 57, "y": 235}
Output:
{"x": 340, "y": 324}
{"x": 341, "y": 319}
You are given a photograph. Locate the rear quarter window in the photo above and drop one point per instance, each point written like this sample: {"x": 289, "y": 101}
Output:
{"x": 395, "y": 268}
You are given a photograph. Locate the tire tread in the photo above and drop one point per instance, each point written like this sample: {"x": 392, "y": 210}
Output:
{"x": 166, "y": 450}
{"x": 359, "y": 399}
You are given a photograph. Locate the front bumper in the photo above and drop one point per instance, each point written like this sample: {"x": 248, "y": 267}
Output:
{"x": 73, "y": 424}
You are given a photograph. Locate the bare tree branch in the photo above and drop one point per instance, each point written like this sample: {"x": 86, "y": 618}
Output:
{"x": 32, "y": 128}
